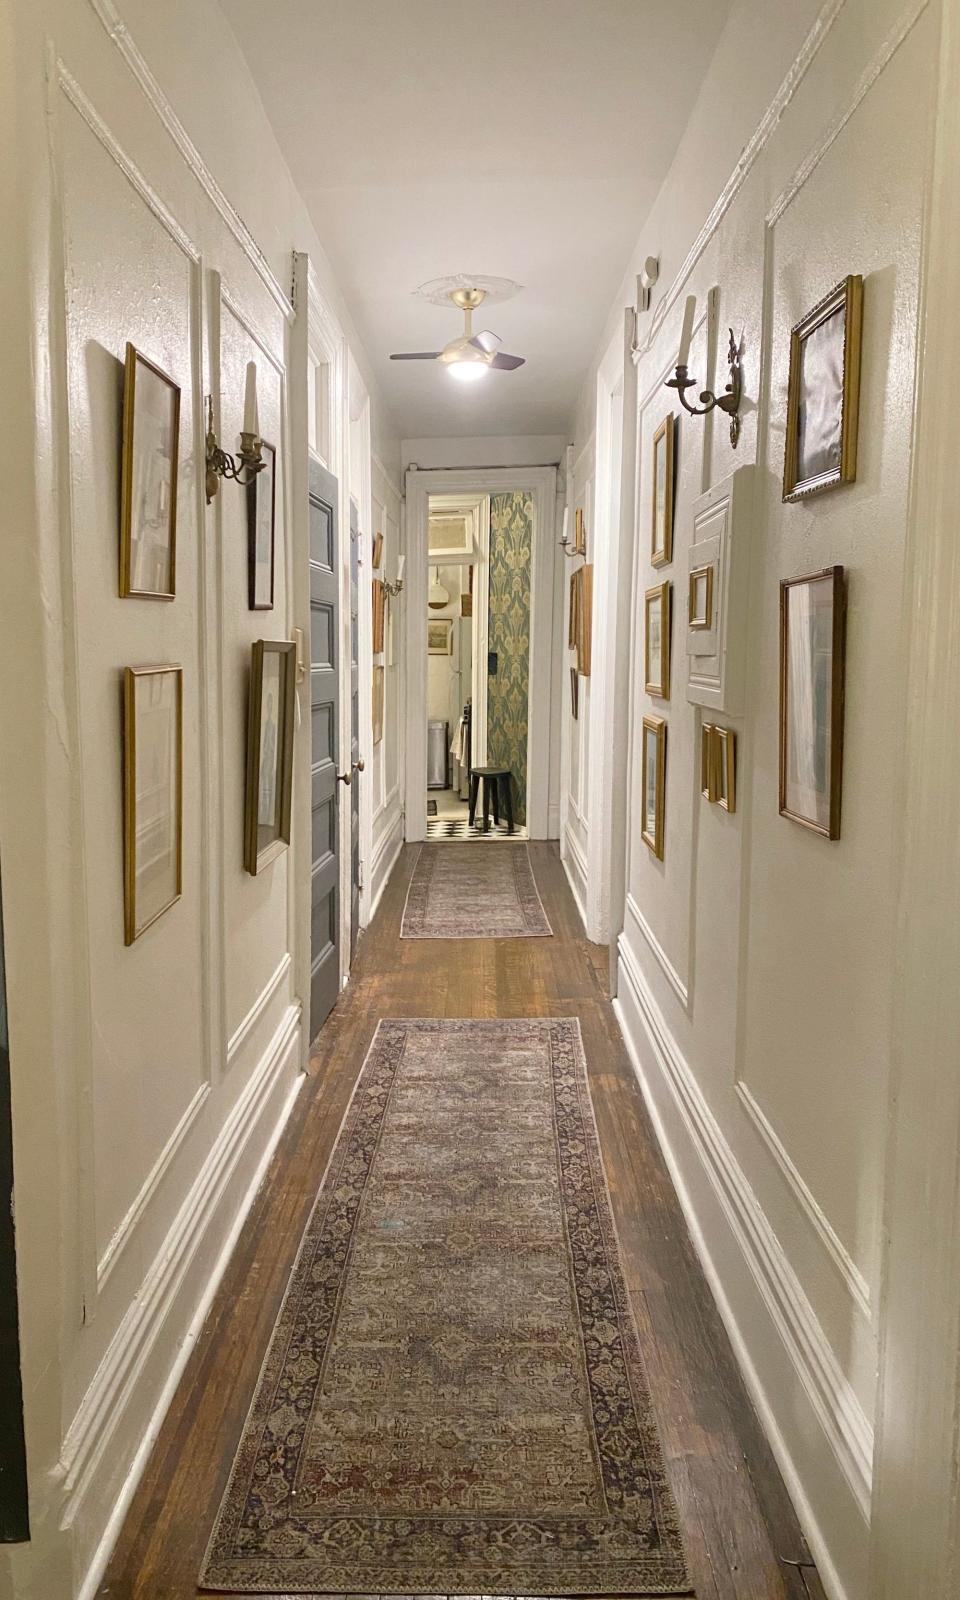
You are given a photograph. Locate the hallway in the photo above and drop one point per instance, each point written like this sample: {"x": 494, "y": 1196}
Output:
{"x": 740, "y": 1532}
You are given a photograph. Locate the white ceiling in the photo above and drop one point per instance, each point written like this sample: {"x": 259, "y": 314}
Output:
{"x": 521, "y": 138}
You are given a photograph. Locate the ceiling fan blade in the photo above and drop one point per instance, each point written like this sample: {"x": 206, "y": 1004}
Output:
{"x": 487, "y": 342}
{"x": 507, "y": 363}
{"x": 417, "y": 355}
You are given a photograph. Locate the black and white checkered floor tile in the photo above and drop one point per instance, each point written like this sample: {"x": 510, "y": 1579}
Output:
{"x": 459, "y": 828}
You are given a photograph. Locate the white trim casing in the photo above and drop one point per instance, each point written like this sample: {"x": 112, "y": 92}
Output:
{"x": 540, "y": 482}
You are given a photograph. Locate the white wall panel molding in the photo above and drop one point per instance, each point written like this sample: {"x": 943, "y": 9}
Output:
{"x": 121, "y": 37}
{"x": 888, "y": 49}
{"x": 154, "y": 1179}
{"x": 258, "y": 1010}
{"x": 764, "y": 130}
{"x": 387, "y": 478}
{"x": 818, "y": 1430}
{"x": 386, "y": 849}
{"x": 125, "y": 1404}
{"x": 635, "y": 915}
{"x": 574, "y": 861}
{"x": 854, "y": 1280}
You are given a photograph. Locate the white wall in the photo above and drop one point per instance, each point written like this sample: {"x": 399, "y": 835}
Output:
{"x": 516, "y": 450}
{"x": 149, "y": 1083}
{"x": 756, "y": 960}
{"x": 386, "y": 780}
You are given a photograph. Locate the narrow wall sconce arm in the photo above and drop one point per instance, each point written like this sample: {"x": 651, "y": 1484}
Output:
{"x": 220, "y": 464}
{"x": 729, "y": 401}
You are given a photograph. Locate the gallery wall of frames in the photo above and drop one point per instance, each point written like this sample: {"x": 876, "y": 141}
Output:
{"x": 767, "y": 707}
{"x": 154, "y": 762}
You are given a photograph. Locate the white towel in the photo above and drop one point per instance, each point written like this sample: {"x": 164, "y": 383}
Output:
{"x": 458, "y": 747}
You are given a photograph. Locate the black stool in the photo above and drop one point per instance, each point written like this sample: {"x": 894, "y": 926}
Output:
{"x": 496, "y": 789}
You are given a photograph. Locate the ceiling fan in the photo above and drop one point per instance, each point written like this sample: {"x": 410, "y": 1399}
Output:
{"x": 470, "y": 356}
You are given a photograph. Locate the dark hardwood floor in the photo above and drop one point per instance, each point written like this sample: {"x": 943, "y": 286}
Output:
{"x": 742, "y": 1537}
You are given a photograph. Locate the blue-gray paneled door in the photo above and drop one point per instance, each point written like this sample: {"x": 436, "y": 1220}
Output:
{"x": 324, "y": 722}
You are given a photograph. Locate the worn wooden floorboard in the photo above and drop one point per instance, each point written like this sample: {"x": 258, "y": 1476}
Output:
{"x": 737, "y": 1519}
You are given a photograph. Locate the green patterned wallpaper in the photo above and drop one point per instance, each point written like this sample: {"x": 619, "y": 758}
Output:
{"x": 511, "y": 532}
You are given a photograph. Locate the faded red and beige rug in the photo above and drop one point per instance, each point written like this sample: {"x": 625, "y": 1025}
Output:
{"x": 478, "y": 890}
{"x": 453, "y": 1400}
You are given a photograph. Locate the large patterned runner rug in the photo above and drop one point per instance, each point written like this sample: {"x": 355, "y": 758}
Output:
{"x": 479, "y": 890}
{"x": 453, "y": 1401}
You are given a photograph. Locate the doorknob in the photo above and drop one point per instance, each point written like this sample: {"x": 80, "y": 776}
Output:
{"x": 347, "y": 777}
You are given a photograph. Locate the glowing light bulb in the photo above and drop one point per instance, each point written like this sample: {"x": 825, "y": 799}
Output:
{"x": 468, "y": 371}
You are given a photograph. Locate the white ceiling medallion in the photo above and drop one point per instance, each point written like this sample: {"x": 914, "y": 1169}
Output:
{"x": 439, "y": 290}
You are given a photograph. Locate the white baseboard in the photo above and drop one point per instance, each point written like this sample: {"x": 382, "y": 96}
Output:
{"x": 822, "y": 1440}
{"x": 116, "y": 1425}
{"x": 384, "y": 857}
{"x": 575, "y": 867}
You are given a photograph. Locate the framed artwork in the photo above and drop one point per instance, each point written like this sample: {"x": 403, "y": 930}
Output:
{"x": 654, "y": 780}
{"x": 152, "y": 795}
{"x": 573, "y": 629}
{"x": 585, "y": 619}
{"x": 466, "y": 605}
{"x": 579, "y": 532}
{"x": 725, "y": 765}
{"x": 656, "y": 641}
{"x": 708, "y": 762}
{"x": 377, "y": 550}
{"x": 574, "y": 693}
{"x": 812, "y": 641}
{"x": 269, "y": 752}
{"x": 379, "y": 597}
{"x": 700, "y": 597}
{"x": 378, "y": 697}
{"x": 439, "y": 636}
{"x": 261, "y": 522}
{"x": 823, "y": 393}
{"x": 661, "y": 532}
{"x": 148, "y": 482}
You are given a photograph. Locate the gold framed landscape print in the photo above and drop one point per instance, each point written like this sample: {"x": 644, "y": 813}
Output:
{"x": 439, "y": 636}
{"x": 653, "y": 760}
{"x": 708, "y": 762}
{"x": 700, "y": 597}
{"x": 573, "y": 629}
{"x": 823, "y": 393}
{"x": 585, "y": 619}
{"x": 152, "y": 795}
{"x": 579, "y": 532}
{"x": 377, "y": 551}
{"x": 574, "y": 693}
{"x": 270, "y": 723}
{"x": 725, "y": 767}
{"x": 261, "y": 518}
{"x": 148, "y": 480}
{"x": 812, "y": 640}
{"x": 656, "y": 641}
{"x": 661, "y": 531}
{"x": 379, "y": 603}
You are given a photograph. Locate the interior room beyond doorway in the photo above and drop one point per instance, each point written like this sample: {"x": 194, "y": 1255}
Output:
{"x": 478, "y": 663}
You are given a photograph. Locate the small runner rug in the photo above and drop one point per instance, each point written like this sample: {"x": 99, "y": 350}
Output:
{"x": 474, "y": 891}
{"x": 453, "y": 1401}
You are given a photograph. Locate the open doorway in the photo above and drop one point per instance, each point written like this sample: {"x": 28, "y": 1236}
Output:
{"x": 478, "y": 554}
{"x": 480, "y": 666}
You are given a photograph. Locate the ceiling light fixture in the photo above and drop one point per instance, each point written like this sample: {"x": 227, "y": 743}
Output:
{"x": 467, "y": 371}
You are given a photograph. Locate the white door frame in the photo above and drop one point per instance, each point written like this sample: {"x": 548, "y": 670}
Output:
{"x": 915, "y": 1517}
{"x": 612, "y": 575}
{"x": 540, "y": 483}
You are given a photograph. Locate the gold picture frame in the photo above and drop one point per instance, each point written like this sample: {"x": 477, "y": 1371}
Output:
{"x": 661, "y": 513}
{"x": 585, "y": 619}
{"x": 152, "y": 795}
{"x": 656, "y": 640}
{"x": 377, "y": 550}
{"x": 148, "y": 480}
{"x": 439, "y": 636}
{"x": 579, "y": 532}
{"x": 653, "y": 767}
{"x": 379, "y": 689}
{"x": 725, "y": 742}
{"x": 379, "y": 597}
{"x": 823, "y": 393}
{"x": 709, "y": 779}
{"x": 574, "y": 693}
{"x": 700, "y": 597}
{"x": 270, "y": 733}
{"x": 812, "y": 670}
{"x": 261, "y": 532}
{"x": 573, "y": 626}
